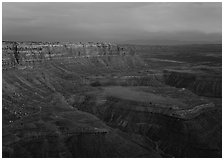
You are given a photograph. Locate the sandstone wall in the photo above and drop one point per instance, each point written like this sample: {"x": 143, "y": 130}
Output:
{"x": 35, "y": 53}
{"x": 209, "y": 85}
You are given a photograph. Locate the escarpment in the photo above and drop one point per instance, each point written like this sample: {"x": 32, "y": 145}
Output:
{"x": 91, "y": 55}
{"x": 201, "y": 84}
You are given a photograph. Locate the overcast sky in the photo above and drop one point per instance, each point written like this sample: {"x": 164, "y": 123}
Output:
{"x": 111, "y": 21}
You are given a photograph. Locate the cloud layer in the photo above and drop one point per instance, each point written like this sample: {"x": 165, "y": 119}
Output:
{"x": 111, "y": 21}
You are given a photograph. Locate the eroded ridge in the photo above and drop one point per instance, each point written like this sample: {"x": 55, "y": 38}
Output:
{"x": 29, "y": 54}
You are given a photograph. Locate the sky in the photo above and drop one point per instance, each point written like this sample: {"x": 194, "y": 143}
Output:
{"x": 115, "y": 22}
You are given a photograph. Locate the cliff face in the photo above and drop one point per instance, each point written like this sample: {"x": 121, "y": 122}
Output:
{"x": 36, "y": 54}
{"x": 199, "y": 83}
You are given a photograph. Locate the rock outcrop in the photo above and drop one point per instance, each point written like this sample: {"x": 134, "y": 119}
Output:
{"x": 31, "y": 54}
{"x": 173, "y": 135}
{"x": 209, "y": 85}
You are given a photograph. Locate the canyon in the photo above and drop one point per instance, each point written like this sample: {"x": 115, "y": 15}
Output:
{"x": 110, "y": 100}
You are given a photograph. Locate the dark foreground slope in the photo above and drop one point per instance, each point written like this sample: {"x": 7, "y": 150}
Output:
{"x": 95, "y": 102}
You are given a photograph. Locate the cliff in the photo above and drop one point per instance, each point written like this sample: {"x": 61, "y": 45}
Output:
{"x": 203, "y": 84}
{"x": 29, "y": 55}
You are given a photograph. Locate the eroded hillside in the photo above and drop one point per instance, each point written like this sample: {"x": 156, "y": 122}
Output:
{"x": 104, "y": 100}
